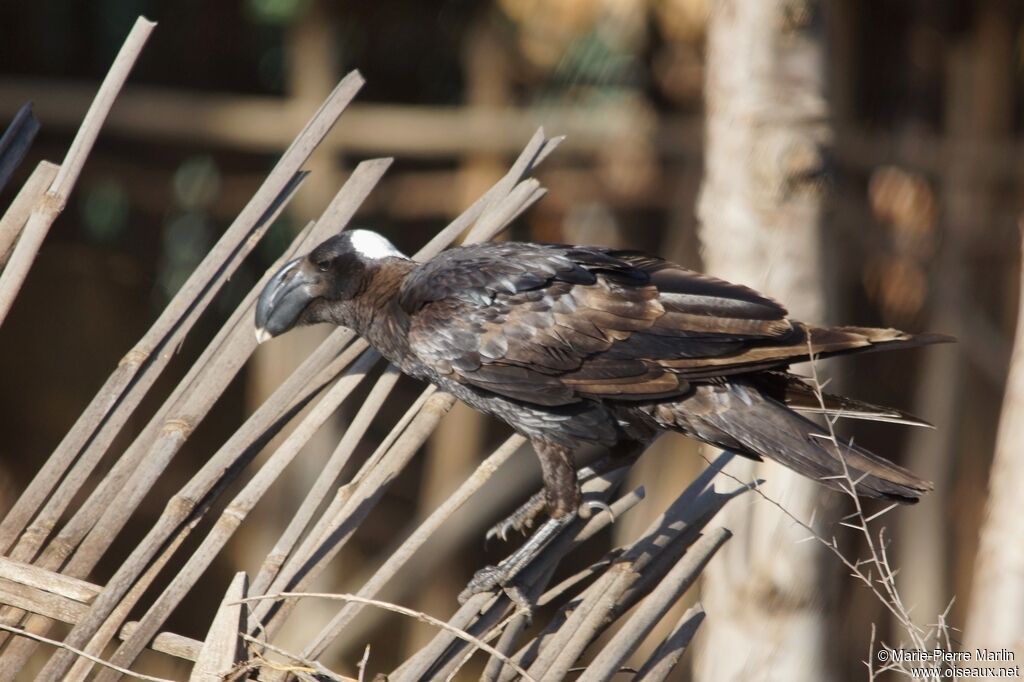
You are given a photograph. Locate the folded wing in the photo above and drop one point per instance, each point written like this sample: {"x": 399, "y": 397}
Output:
{"x": 553, "y": 325}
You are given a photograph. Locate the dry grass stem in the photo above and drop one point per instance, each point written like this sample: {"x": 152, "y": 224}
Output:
{"x": 76, "y": 652}
{"x": 429, "y": 620}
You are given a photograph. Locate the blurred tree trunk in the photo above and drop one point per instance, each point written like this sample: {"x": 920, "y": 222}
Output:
{"x": 979, "y": 107}
{"x": 996, "y": 616}
{"x": 761, "y": 210}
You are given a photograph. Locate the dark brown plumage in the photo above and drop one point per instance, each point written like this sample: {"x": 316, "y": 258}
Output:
{"x": 587, "y": 345}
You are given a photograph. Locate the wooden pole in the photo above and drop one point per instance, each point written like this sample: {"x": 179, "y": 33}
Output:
{"x": 995, "y": 618}
{"x": 761, "y": 209}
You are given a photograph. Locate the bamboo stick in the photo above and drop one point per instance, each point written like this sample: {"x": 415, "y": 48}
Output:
{"x": 188, "y": 403}
{"x": 86, "y": 516}
{"x": 326, "y": 480}
{"x": 99, "y": 506}
{"x": 100, "y": 107}
{"x": 223, "y": 647}
{"x": 215, "y": 369}
{"x": 168, "y": 643}
{"x": 506, "y": 645}
{"x": 61, "y": 646}
{"x": 535, "y": 578}
{"x": 30, "y": 194}
{"x": 236, "y": 512}
{"x": 542, "y": 147}
{"x": 536, "y": 150}
{"x": 225, "y": 464}
{"x": 614, "y": 654}
{"x": 240, "y": 337}
{"x": 664, "y": 659}
{"x": 52, "y": 204}
{"x": 110, "y": 408}
{"x": 459, "y": 533}
{"x": 415, "y": 667}
{"x": 362, "y": 496}
{"x": 441, "y": 656}
{"x": 372, "y": 587}
{"x": 451, "y": 455}
{"x": 80, "y": 670}
{"x": 64, "y": 598}
{"x": 665, "y": 539}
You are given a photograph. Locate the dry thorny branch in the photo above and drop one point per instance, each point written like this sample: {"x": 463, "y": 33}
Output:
{"x": 875, "y": 571}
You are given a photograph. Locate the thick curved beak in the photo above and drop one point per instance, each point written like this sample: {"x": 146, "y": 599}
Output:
{"x": 283, "y": 299}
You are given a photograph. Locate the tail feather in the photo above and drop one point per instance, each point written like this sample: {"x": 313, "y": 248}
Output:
{"x": 771, "y": 430}
{"x": 801, "y": 396}
{"x": 805, "y": 341}
{"x": 739, "y": 417}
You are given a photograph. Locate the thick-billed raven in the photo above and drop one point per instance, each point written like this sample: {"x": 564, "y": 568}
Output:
{"x": 583, "y": 345}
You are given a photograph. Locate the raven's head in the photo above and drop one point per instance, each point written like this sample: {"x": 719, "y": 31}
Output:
{"x": 309, "y": 289}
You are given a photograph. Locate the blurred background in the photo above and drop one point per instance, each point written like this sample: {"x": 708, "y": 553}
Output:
{"x": 924, "y": 179}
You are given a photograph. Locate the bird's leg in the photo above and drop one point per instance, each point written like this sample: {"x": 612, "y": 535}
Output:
{"x": 561, "y": 500}
{"x": 490, "y": 578}
{"x": 523, "y": 518}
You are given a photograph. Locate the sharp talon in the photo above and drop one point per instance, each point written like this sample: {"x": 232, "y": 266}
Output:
{"x": 520, "y": 520}
{"x": 487, "y": 579}
{"x": 500, "y": 531}
{"x": 490, "y": 578}
{"x": 591, "y": 505}
{"x": 493, "y": 578}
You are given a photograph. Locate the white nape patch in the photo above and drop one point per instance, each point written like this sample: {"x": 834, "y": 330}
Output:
{"x": 371, "y": 245}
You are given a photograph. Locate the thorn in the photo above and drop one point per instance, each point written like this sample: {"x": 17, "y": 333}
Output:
{"x": 877, "y": 514}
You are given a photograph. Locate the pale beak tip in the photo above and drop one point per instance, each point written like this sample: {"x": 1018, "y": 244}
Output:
{"x": 262, "y": 335}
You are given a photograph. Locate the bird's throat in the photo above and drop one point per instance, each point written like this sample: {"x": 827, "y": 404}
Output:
{"x": 376, "y": 314}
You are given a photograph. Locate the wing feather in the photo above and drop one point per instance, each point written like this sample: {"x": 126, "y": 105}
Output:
{"x": 553, "y": 325}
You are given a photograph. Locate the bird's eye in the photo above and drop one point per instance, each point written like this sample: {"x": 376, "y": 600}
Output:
{"x": 323, "y": 266}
